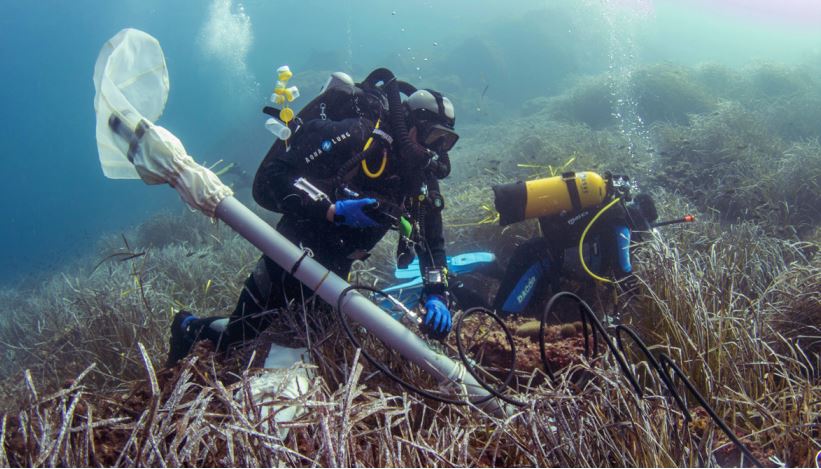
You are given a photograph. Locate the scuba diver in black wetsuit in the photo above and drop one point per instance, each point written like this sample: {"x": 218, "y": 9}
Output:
{"x": 360, "y": 162}
{"x": 536, "y": 265}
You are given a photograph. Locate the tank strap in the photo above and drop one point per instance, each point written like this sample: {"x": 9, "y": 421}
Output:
{"x": 440, "y": 102}
{"x": 570, "y": 179}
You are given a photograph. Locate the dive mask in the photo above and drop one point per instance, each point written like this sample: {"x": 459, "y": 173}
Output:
{"x": 438, "y": 138}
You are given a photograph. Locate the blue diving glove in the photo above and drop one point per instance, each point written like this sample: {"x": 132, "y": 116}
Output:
{"x": 438, "y": 318}
{"x": 350, "y": 213}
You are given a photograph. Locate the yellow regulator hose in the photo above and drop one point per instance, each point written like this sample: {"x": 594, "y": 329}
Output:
{"x": 581, "y": 242}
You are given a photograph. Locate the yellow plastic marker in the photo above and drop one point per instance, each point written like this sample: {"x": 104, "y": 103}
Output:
{"x": 284, "y": 73}
{"x": 282, "y": 95}
{"x": 286, "y": 115}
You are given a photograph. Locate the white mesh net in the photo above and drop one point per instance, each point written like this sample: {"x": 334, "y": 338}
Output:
{"x": 131, "y": 82}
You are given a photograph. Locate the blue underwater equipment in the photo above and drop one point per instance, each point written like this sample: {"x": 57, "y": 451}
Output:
{"x": 409, "y": 292}
{"x": 458, "y": 264}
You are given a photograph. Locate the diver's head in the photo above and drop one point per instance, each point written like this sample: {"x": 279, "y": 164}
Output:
{"x": 642, "y": 211}
{"x": 432, "y": 115}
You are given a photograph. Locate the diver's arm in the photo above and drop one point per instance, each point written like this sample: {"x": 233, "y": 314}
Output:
{"x": 620, "y": 255}
{"x": 432, "y": 252}
{"x": 291, "y": 200}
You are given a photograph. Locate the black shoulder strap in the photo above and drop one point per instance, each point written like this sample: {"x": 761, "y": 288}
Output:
{"x": 440, "y": 103}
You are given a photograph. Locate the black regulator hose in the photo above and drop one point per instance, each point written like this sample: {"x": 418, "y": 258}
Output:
{"x": 375, "y": 148}
{"x": 657, "y": 363}
{"x": 412, "y": 154}
{"x": 395, "y": 111}
{"x": 392, "y": 87}
{"x": 441, "y": 167}
{"x": 405, "y": 88}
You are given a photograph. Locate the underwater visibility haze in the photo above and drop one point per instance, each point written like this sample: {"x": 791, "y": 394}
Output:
{"x": 713, "y": 107}
{"x": 491, "y": 56}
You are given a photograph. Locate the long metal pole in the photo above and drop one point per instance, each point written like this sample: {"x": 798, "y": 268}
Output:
{"x": 329, "y": 287}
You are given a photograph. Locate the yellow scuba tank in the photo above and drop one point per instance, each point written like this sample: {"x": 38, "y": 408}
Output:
{"x": 574, "y": 192}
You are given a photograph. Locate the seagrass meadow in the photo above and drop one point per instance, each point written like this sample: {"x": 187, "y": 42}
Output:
{"x": 733, "y": 299}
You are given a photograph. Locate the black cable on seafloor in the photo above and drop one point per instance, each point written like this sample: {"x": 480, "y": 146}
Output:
{"x": 657, "y": 364}
{"x": 463, "y": 356}
{"x": 379, "y": 365}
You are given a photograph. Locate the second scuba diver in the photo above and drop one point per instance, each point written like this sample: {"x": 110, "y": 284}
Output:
{"x": 359, "y": 162}
{"x": 566, "y": 207}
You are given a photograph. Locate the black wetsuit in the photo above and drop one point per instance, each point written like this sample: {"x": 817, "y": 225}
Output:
{"x": 316, "y": 152}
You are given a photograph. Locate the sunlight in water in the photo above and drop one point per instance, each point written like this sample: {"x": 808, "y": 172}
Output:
{"x": 637, "y": 7}
{"x": 227, "y": 35}
{"x": 623, "y": 19}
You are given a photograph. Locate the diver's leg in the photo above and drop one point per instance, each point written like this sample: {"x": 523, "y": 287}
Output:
{"x": 270, "y": 293}
{"x": 267, "y": 290}
{"x": 260, "y": 295}
{"x": 529, "y": 266}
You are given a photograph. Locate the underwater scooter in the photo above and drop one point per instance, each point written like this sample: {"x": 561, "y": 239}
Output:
{"x": 131, "y": 80}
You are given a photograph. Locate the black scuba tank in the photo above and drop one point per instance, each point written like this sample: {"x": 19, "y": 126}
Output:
{"x": 376, "y": 98}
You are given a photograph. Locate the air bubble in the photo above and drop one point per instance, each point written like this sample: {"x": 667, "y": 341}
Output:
{"x": 435, "y": 43}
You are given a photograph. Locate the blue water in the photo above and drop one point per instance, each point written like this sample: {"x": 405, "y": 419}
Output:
{"x": 55, "y": 202}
